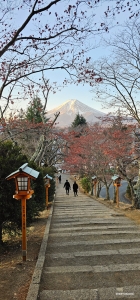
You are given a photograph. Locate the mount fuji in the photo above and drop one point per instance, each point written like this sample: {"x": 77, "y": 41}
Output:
{"x": 69, "y": 109}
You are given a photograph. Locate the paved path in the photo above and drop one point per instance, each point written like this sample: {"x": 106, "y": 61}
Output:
{"x": 93, "y": 253}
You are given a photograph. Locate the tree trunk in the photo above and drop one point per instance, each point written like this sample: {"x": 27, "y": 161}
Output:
{"x": 107, "y": 192}
{"x": 133, "y": 198}
{"x": 91, "y": 189}
{"x": 99, "y": 189}
{"x": 1, "y": 241}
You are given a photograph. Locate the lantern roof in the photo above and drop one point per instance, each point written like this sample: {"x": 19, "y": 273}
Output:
{"x": 24, "y": 169}
{"x": 47, "y": 176}
{"x": 94, "y": 177}
{"x": 115, "y": 177}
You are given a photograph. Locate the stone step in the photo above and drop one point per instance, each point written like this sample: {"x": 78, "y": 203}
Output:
{"x": 81, "y": 246}
{"x": 111, "y": 293}
{"x": 80, "y": 204}
{"x": 93, "y": 252}
{"x": 91, "y": 218}
{"x": 86, "y": 277}
{"x": 92, "y": 258}
{"x": 91, "y": 237}
{"x": 85, "y": 222}
{"x": 81, "y": 207}
{"x": 82, "y": 214}
{"x": 89, "y": 221}
{"x": 79, "y": 215}
{"x": 73, "y": 255}
{"x": 83, "y": 228}
{"x": 94, "y": 233}
{"x": 94, "y": 269}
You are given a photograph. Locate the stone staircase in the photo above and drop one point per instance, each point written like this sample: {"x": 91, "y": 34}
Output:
{"x": 93, "y": 253}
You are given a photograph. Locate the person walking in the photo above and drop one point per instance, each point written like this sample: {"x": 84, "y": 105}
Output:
{"x": 59, "y": 178}
{"x": 75, "y": 188}
{"x": 67, "y": 187}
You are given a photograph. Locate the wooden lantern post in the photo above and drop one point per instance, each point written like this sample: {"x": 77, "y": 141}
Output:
{"x": 47, "y": 185}
{"x": 117, "y": 182}
{"x": 94, "y": 183}
{"x": 23, "y": 192}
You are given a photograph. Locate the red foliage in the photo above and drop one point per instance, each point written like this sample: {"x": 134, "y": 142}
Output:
{"x": 97, "y": 148}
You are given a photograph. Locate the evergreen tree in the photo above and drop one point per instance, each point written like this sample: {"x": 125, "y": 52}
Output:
{"x": 11, "y": 158}
{"x": 35, "y": 111}
{"x": 79, "y": 120}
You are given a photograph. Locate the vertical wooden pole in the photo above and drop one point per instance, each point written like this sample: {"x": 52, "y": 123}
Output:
{"x": 24, "y": 244}
{"x": 95, "y": 189}
{"x": 47, "y": 196}
{"x": 117, "y": 195}
{"x": 57, "y": 181}
{"x": 91, "y": 188}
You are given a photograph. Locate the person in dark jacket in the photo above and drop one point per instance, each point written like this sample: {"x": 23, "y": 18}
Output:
{"x": 67, "y": 187}
{"x": 75, "y": 188}
{"x": 59, "y": 178}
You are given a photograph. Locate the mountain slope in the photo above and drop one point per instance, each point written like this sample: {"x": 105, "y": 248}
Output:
{"x": 69, "y": 109}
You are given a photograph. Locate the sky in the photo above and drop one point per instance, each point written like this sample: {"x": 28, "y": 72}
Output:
{"x": 81, "y": 92}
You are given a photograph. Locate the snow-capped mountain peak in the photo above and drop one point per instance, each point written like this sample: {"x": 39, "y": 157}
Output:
{"x": 70, "y": 108}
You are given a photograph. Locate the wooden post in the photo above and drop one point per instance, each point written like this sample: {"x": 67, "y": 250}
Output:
{"x": 91, "y": 188}
{"x": 95, "y": 188}
{"x": 23, "y": 199}
{"x": 57, "y": 181}
{"x": 117, "y": 195}
{"x": 47, "y": 196}
{"x": 24, "y": 243}
{"x": 23, "y": 192}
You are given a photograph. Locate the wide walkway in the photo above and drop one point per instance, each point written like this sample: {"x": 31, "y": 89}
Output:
{"x": 93, "y": 253}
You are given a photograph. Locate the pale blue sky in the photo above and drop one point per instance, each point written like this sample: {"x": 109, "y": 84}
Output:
{"x": 80, "y": 92}
{"x": 83, "y": 92}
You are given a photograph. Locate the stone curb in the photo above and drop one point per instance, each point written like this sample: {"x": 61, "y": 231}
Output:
{"x": 35, "y": 282}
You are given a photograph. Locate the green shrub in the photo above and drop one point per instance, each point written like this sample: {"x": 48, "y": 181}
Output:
{"x": 85, "y": 182}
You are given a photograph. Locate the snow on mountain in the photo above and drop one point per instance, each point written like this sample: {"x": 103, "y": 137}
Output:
{"x": 69, "y": 109}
